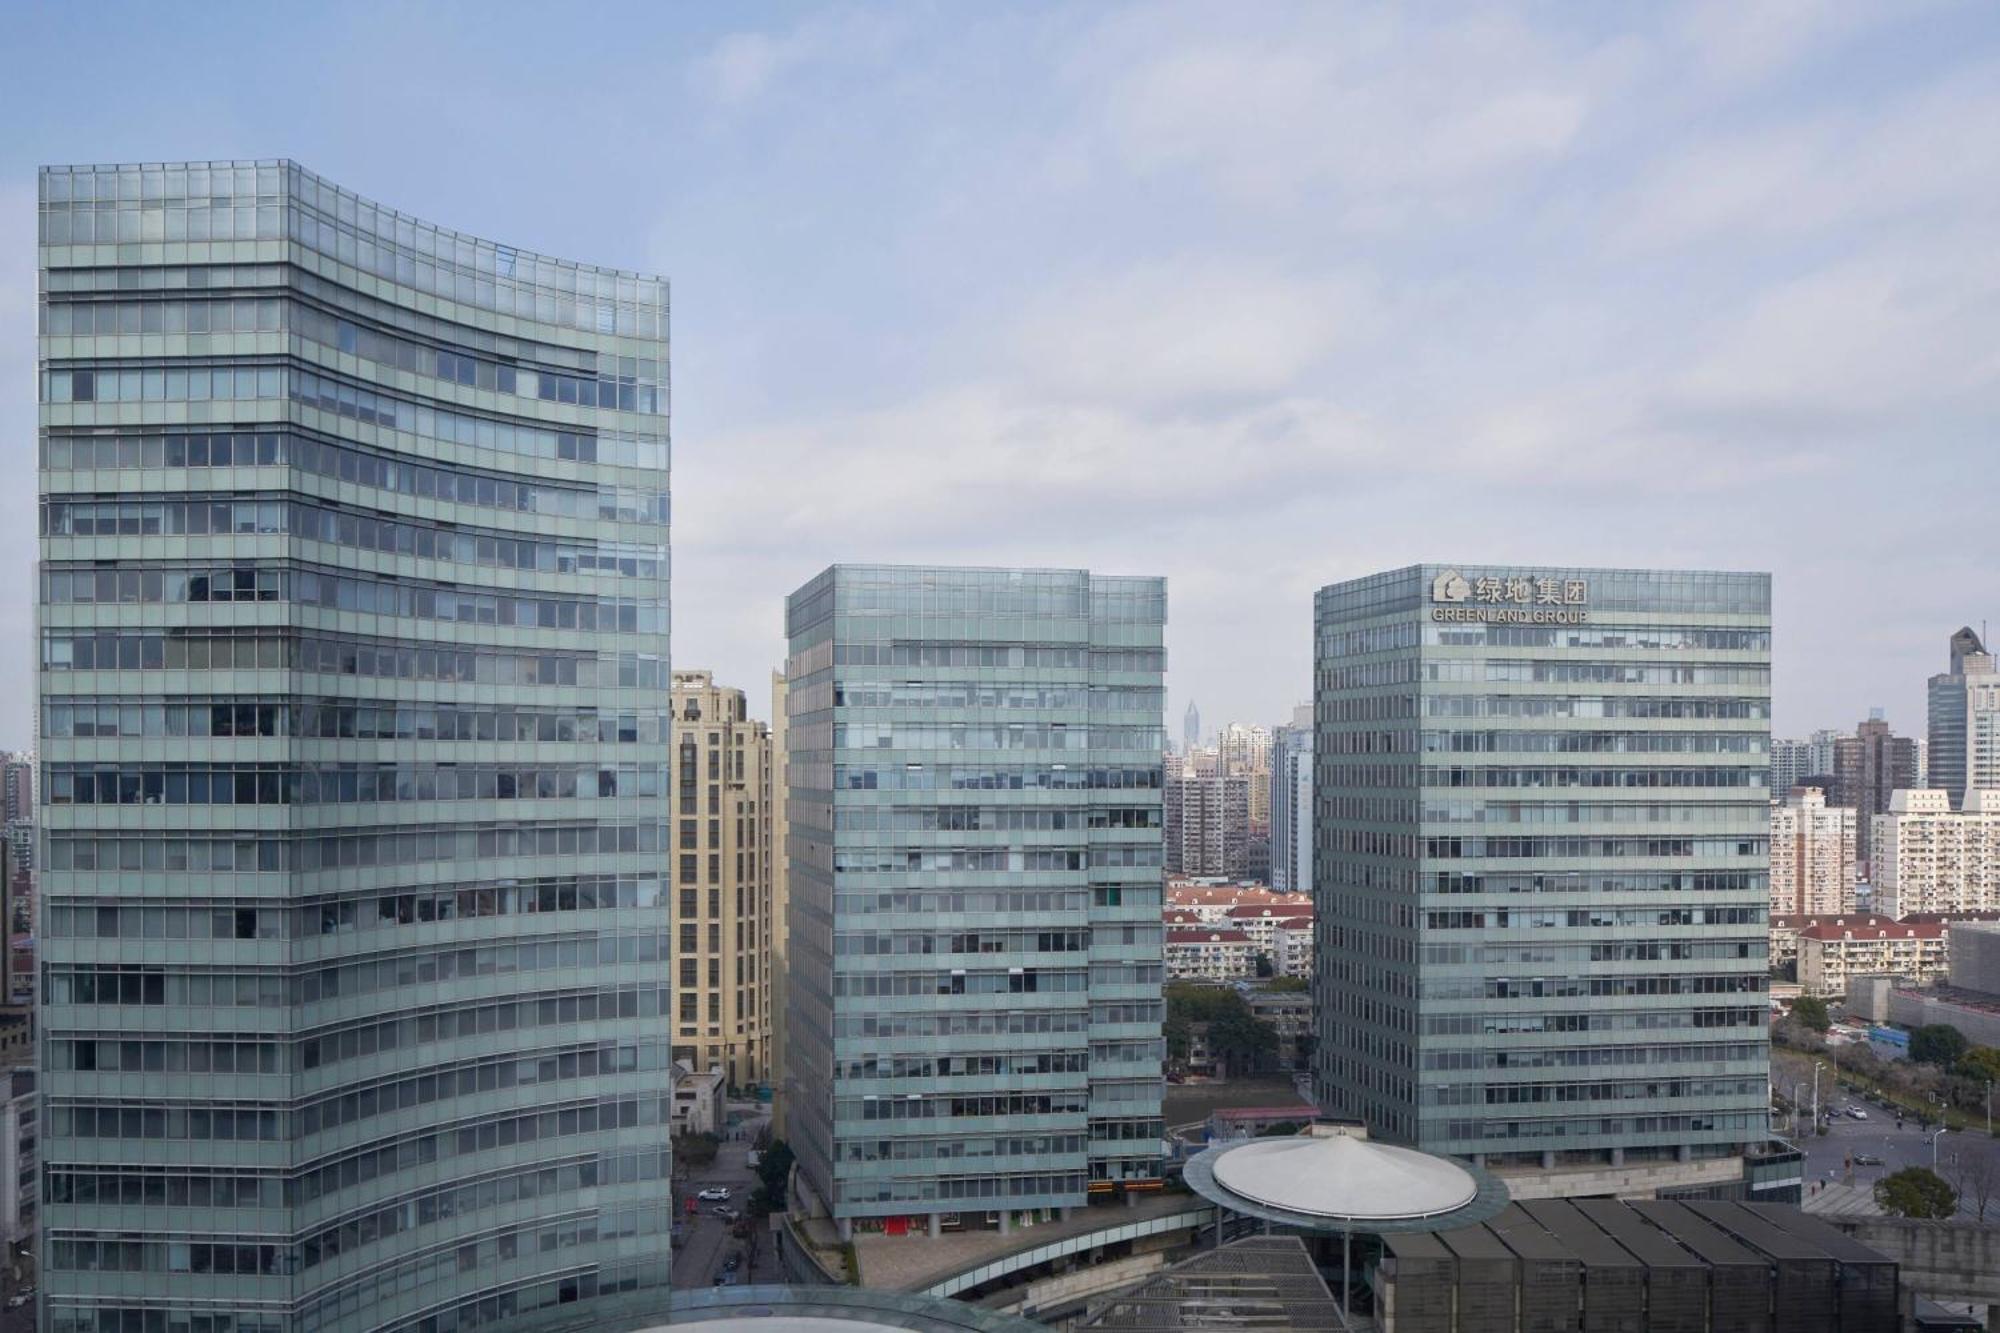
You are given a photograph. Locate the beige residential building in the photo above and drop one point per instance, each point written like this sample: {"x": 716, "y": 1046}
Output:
{"x": 722, "y": 880}
{"x": 1830, "y": 955}
{"x": 1813, "y": 855}
{"x": 778, "y": 830}
{"x": 1215, "y": 953}
{"x": 1931, "y": 858}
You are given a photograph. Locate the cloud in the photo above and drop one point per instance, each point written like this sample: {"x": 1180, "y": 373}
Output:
{"x": 739, "y": 68}
{"x": 1359, "y": 101}
{"x": 1186, "y": 329}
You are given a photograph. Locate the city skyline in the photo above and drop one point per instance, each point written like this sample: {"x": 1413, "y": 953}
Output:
{"x": 1625, "y": 288}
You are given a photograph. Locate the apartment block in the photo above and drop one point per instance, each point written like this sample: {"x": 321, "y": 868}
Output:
{"x": 1813, "y": 854}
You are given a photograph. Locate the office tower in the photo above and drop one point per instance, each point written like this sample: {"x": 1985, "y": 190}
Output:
{"x": 353, "y": 670}
{"x": 1965, "y": 720}
{"x": 1867, "y": 767}
{"x": 1812, "y": 854}
{"x": 1932, "y": 858}
{"x": 722, "y": 882}
{"x": 777, "y": 832}
{"x": 1191, "y": 728}
{"x": 1291, "y": 804}
{"x": 976, "y": 959}
{"x": 1207, "y": 825}
{"x": 1923, "y": 761}
{"x": 1540, "y": 860}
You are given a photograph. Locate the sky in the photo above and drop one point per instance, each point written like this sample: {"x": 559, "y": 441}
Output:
{"x": 1254, "y": 296}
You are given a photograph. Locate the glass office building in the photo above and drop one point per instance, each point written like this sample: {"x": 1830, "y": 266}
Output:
{"x": 1540, "y": 857}
{"x": 974, "y": 760}
{"x": 353, "y": 676}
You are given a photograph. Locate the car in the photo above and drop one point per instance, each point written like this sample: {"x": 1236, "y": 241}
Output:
{"x": 727, "y": 1214}
{"x": 1857, "y": 1113}
{"x": 713, "y": 1194}
{"x": 1867, "y": 1159}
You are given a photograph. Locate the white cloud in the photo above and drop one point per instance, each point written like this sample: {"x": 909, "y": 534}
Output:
{"x": 742, "y": 65}
{"x": 1356, "y": 100}
{"x": 1186, "y": 329}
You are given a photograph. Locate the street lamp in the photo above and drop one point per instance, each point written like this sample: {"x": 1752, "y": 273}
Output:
{"x": 1817, "y": 1066}
{"x": 1934, "y": 1138}
{"x": 1797, "y": 1084}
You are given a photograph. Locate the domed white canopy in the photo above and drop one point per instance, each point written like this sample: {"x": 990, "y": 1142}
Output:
{"x": 1343, "y": 1177}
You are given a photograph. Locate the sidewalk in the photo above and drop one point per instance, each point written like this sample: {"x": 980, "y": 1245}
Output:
{"x": 1838, "y": 1200}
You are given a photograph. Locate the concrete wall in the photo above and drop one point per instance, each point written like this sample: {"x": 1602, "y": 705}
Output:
{"x": 1641, "y": 1180}
{"x": 1955, "y": 1261}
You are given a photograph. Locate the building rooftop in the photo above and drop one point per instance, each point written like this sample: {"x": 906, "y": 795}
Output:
{"x": 1893, "y": 930}
{"x": 1267, "y": 1282}
{"x": 775, "y": 1309}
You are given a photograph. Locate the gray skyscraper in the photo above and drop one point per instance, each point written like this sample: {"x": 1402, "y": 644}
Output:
{"x": 1191, "y": 727}
{"x": 1541, "y": 860}
{"x": 976, "y": 955}
{"x": 1964, "y": 747}
{"x": 1868, "y": 767}
{"x": 353, "y": 648}
{"x": 1291, "y": 804}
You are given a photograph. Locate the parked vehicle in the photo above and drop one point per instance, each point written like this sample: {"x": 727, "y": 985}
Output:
{"x": 1867, "y": 1159}
{"x": 713, "y": 1193}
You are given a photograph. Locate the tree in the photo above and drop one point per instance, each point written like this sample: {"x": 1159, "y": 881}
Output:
{"x": 695, "y": 1149}
{"x": 1980, "y": 1063}
{"x": 1916, "y": 1191}
{"x": 1811, "y": 1011}
{"x": 1243, "y": 1042}
{"x": 1938, "y": 1044}
{"x": 1976, "y": 1177}
{"x": 1264, "y": 968}
{"x": 774, "y": 1173}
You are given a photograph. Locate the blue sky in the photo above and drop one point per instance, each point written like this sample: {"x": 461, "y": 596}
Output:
{"x": 1253, "y": 296}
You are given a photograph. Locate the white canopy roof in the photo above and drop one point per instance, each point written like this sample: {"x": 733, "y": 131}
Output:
{"x": 1345, "y": 1177}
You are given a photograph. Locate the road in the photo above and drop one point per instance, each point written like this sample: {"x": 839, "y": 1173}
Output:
{"x": 1898, "y": 1148}
{"x": 698, "y": 1262}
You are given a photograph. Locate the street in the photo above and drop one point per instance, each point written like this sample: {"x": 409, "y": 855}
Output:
{"x": 698, "y": 1260}
{"x": 1961, "y": 1155}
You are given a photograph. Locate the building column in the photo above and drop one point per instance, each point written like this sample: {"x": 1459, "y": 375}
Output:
{"x": 846, "y": 1229}
{"x": 1006, "y": 1221}
{"x": 1617, "y": 1157}
{"x": 1548, "y": 1159}
{"x": 937, "y": 1225}
{"x": 1684, "y": 1153}
{"x": 1062, "y": 1213}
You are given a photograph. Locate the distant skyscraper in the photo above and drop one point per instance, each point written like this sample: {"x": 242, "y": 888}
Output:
{"x": 1191, "y": 727}
{"x": 722, "y": 882}
{"x": 17, "y": 788}
{"x": 1965, "y": 720}
{"x": 975, "y": 766}
{"x": 1867, "y": 767}
{"x": 1291, "y": 804}
{"x": 353, "y": 672}
{"x": 1813, "y": 854}
{"x": 1541, "y": 860}
{"x": 1794, "y": 761}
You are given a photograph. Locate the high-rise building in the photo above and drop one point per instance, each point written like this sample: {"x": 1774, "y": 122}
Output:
{"x": 1794, "y": 762}
{"x": 976, "y": 959}
{"x": 1813, "y": 856}
{"x": 1965, "y": 720}
{"x": 722, "y": 880}
{"x": 1291, "y": 804}
{"x": 1207, "y": 825}
{"x": 1541, "y": 864}
{"x": 353, "y": 676}
{"x": 1245, "y": 749}
{"x": 1867, "y": 767}
{"x": 1191, "y": 727}
{"x": 778, "y": 830}
{"x": 17, "y": 788}
{"x": 1932, "y": 858}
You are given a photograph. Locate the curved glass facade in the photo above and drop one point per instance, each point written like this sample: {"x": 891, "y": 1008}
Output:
{"x": 354, "y": 690}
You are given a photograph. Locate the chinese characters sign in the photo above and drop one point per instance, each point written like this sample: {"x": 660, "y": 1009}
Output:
{"x": 1512, "y": 600}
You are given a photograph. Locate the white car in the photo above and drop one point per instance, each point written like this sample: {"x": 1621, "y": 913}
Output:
{"x": 1857, "y": 1113}
{"x": 713, "y": 1194}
